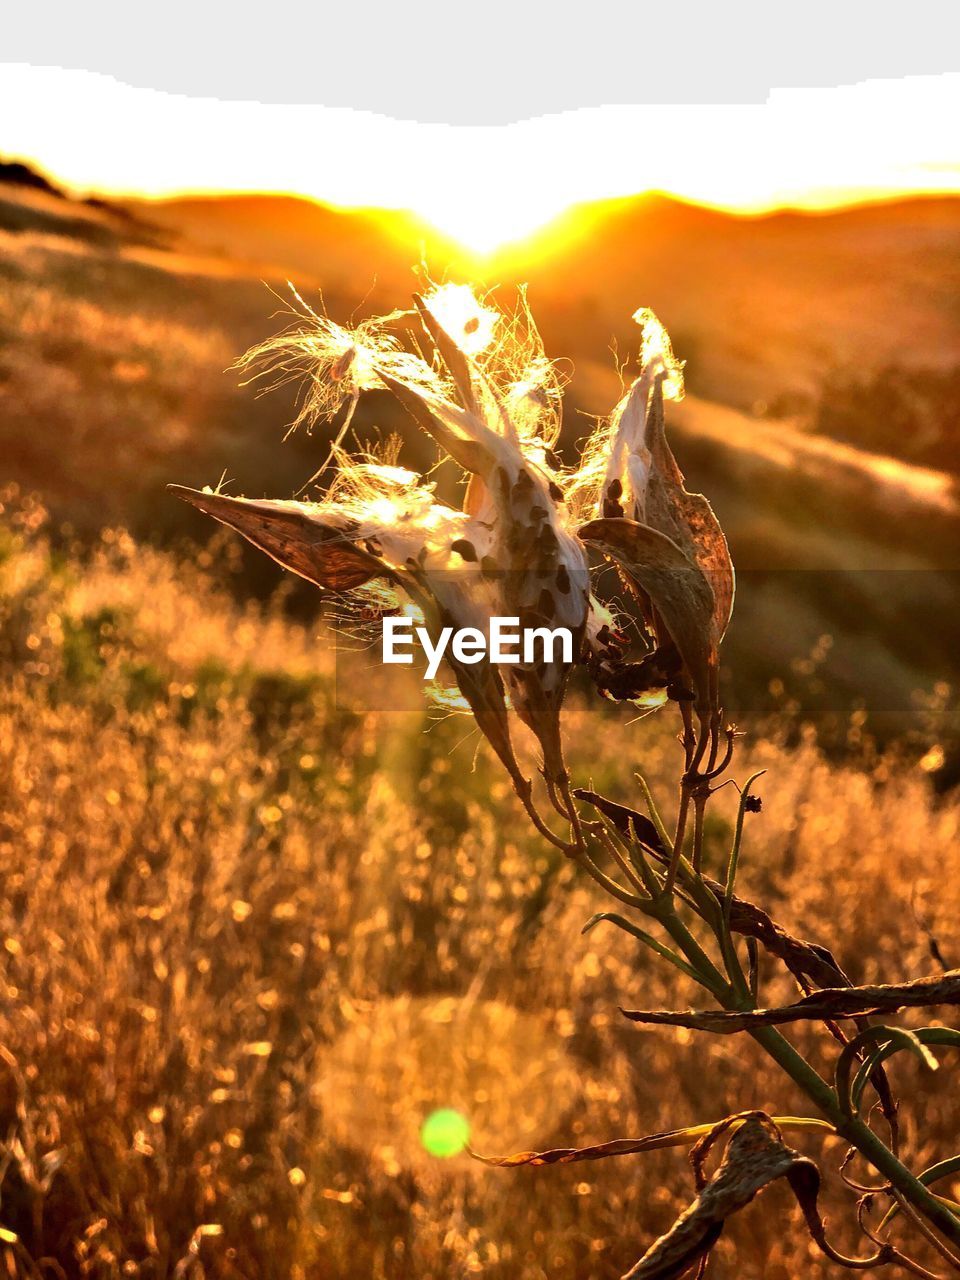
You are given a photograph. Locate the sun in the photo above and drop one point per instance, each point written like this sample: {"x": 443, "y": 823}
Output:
{"x": 488, "y": 186}
{"x": 489, "y": 221}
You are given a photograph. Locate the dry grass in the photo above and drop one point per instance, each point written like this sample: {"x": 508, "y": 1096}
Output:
{"x": 250, "y": 938}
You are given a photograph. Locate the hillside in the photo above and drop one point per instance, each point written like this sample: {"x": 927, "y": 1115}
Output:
{"x": 764, "y": 308}
{"x": 366, "y": 252}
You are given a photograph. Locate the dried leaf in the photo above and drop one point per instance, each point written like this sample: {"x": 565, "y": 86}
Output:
{"x": 601, "y": 1151}
{"x": 628, "y": 822}
{"x": 635, "y": 1146}
{"x": 319, "y": 544}
{"x": 755, "y": 1157}
{"x": 833, "y": 1003}
{"x": 803, "y": 959}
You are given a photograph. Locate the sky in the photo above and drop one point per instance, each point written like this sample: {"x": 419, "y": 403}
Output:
{"x": 489, "y": 183}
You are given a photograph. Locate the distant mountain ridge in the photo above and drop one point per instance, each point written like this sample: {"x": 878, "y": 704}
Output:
{"x": 359, "y": 249}
{"x": 767, "y": 310}
{"x": 763, "y": 307}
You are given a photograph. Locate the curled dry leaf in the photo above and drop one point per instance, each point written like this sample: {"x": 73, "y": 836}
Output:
{"x": 629, "y": 822}
{"x": 636, "y": 1146}
{"x": 755, "y": 1157}
{"x": 600, "y": 1151}
{"x": 833, "y": 1003}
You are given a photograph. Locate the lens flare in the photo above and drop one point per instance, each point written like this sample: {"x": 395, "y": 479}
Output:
{"x": 445, "y": 1133}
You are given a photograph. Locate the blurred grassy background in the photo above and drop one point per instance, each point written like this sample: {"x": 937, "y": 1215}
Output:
{"x": 250, "y": 940}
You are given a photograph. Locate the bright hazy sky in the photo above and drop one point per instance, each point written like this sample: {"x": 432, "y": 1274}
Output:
{"x": 487, "y": 184}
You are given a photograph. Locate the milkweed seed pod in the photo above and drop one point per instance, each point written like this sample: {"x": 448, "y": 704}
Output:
{"x": 666, "y": 542}
{"x": 539, "y": 565}
{"x": 490, "y": 400}
{"x": 387, "y": 528}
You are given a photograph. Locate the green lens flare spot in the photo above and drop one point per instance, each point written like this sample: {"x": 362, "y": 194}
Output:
{"x": 445, "y": 1133}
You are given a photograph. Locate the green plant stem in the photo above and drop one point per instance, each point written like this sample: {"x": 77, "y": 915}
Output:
{"x": 710, "y": 975}
{"x": 857, "y": 1133}
{"x": 685, "y": 795}
{"x": 737, "y": 840}
{"x": 717, "y": 917}
{"x": 699, "y": 811}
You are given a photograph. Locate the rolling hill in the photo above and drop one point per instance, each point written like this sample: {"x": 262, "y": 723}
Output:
{"x": 763, "y": 308}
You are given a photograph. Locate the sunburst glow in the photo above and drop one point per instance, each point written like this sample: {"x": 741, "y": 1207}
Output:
{"x": 490, "y": 185}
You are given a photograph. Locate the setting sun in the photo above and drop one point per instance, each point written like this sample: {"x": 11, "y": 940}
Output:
{"x": 487, "y": 186}
{"x": 483, "y": 228}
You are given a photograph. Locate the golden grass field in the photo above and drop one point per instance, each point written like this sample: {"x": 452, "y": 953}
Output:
{"x": 251, "y": 939}
{"x": 252, "y": 935}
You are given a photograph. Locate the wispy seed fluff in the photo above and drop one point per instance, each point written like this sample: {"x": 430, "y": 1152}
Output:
{"x": 618, "y": 451}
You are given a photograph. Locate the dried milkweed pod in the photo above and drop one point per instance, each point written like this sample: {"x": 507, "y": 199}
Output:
{"x": 666, "y": 542}
{"x": 393, "y": 530}
{"x": 489, "y": 400}
{"x": 539, "y": 564}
